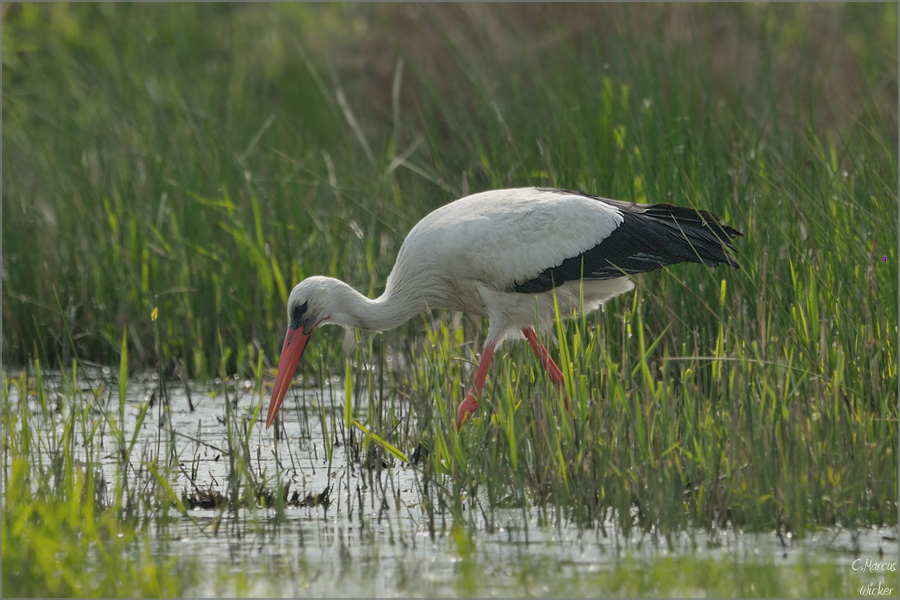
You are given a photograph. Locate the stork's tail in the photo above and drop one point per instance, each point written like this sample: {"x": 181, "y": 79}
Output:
{"x": 648, "y": 238}
{"x": 693, "y": 235}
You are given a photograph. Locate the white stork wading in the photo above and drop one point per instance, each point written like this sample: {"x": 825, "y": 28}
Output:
{"x": 503, "y": 254}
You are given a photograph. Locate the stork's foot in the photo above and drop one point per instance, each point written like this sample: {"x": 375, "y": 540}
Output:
{"x": 466, "y": 409}
{"x": 420, "y": 454}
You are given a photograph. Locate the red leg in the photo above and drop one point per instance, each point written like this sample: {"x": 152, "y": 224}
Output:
{"x": 553, "y": 371}
{"x": 470, "y": 404}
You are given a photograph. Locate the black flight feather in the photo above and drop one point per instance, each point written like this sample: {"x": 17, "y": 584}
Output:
{"x": 649, "y": 237}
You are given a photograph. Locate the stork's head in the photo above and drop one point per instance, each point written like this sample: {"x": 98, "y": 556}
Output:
{"x": 307, "y": 308}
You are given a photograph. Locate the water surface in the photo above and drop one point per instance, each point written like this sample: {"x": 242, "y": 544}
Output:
{"x": 370, "y": 533}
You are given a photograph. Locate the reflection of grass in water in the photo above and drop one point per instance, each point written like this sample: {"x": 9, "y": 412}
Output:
{"x": 62, "y": 531}
{"x": 61, "y": 534}
{"x": 687, "y": 576}
{"x": 764, "y": 399}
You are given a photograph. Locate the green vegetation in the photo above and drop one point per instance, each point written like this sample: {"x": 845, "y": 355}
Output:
{"x": 199, "y": 160}
{"x": 65, "y": 532}
{"x": 68, "y": 531}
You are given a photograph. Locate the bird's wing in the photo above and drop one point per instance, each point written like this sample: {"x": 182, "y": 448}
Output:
{"x": 531, "y": 240}
{"x": 506, "y": 238}
{"x": 646, "y": 238}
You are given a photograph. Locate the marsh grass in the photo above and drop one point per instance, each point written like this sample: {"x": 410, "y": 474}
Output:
{"x": 202, "y": 171}
{"x": 67, "y": 531}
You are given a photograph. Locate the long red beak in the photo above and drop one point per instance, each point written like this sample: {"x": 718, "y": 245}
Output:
{"x": 294, "y": 343}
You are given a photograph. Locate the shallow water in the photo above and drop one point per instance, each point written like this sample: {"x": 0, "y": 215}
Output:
{"x": 375, "y": 537}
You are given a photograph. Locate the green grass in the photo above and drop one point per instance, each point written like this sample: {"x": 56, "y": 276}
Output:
{"x": 67, "y": 531}
{"x": 202, "y": 159}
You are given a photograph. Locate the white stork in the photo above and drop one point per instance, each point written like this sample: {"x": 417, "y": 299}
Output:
{"x": 503, "y": 254}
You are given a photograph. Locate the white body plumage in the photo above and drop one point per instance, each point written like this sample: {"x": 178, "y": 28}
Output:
{"x": 469, "y": 254}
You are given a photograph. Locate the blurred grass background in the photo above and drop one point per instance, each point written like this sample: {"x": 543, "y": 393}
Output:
{"x": 204, "y": 158}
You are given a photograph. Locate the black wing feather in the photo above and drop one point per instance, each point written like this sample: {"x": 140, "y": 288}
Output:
{"x": 650, "y": 237}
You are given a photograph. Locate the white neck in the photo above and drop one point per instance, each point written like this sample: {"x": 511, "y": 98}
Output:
{"x": 349, "y": 307}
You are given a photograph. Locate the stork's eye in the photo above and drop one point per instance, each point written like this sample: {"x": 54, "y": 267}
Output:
{"x": 297, "y": 315}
